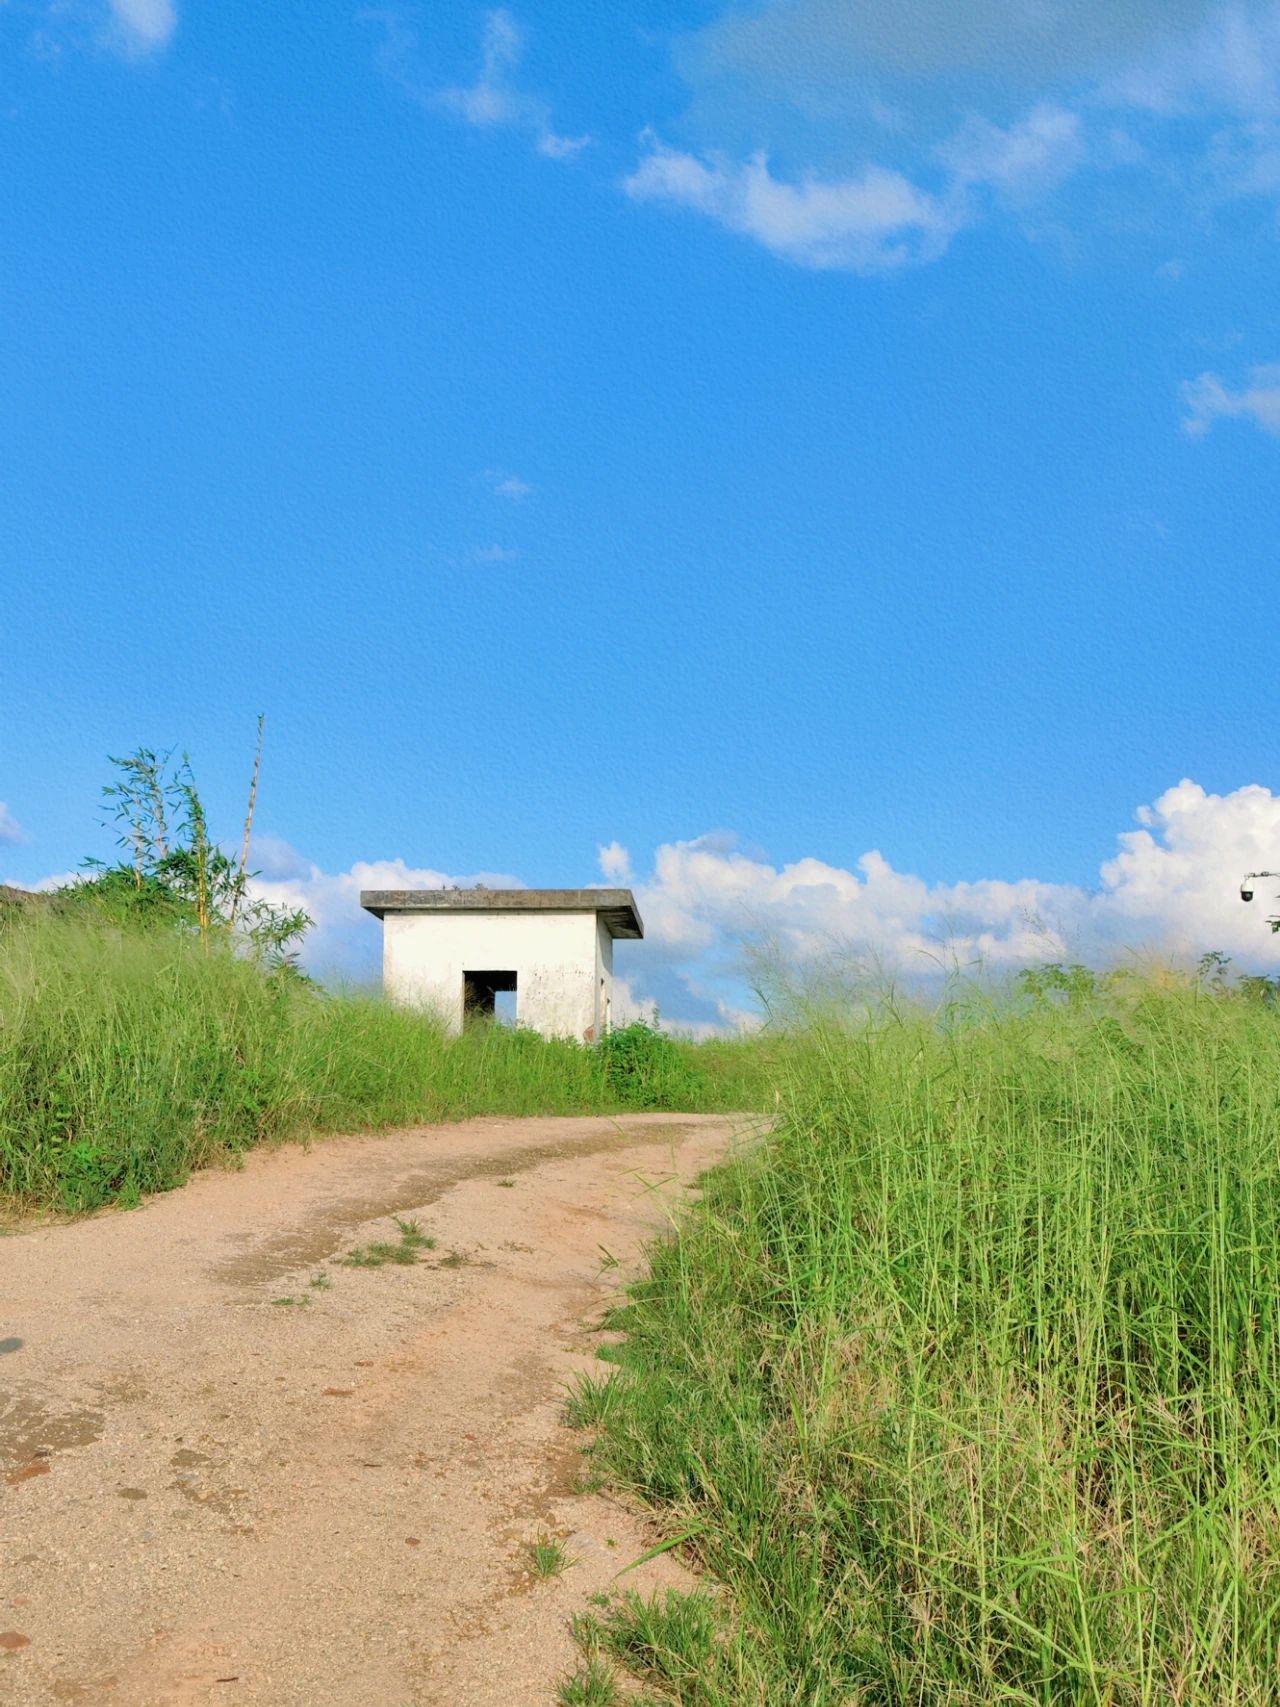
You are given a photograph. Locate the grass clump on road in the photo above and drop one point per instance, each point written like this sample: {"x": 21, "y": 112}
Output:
{"x": 966, "y": 1383}
{"x": 403, "y": 1250}
{"x": 547, "y": 1557}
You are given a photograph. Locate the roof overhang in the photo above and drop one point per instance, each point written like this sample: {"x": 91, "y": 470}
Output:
{"x": 615, "y": 908}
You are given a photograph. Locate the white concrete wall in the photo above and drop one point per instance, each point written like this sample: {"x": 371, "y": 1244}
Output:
{"x": 604, "y": 977}
{"x": 563, "y": 964}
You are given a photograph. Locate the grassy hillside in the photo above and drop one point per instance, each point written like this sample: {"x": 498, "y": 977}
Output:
{"x": 966, "y": 1385}
{"x": 130, "y": 1055}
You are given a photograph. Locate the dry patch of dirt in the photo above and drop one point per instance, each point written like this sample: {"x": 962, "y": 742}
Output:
{"x": 222, "y": 1483}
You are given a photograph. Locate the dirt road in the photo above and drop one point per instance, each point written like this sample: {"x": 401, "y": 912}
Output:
{"x": 223, "y": 1484}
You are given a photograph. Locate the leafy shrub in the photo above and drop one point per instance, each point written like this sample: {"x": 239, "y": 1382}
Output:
{"x": 644, "y": 1068}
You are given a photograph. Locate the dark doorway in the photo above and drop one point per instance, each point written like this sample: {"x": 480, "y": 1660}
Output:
{"x": 480, "y": 992}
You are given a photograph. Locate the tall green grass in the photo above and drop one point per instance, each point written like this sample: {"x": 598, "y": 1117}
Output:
{"x": 130, "y": 1056}
{"x": 966, "y": 1383}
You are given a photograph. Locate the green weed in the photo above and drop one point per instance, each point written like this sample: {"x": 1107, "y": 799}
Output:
{"x": 547, "y": 1557}
{"x": 592, "y": 1685}
{"x": 403, "y": 1251}
{"x": 644, "y": 1068}
{"x": 673, "y": 1640}
{"x": 588, "y": 1402}
{"x": 412, "y": 1236}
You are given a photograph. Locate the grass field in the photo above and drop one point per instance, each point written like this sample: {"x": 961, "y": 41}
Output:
{"x": 130, "y": 1056}
{"x": 966, "y": 1385}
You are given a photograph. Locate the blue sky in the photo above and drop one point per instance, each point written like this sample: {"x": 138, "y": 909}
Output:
{"x": 744, "y": 439}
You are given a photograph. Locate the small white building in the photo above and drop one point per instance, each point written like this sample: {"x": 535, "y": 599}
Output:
{"x": 457, "y": 950}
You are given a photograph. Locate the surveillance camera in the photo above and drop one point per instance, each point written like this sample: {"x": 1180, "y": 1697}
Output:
{"x": 1249, "y": 879}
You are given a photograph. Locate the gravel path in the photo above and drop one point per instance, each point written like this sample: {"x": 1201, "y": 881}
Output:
{"x": 212, "y": 1495}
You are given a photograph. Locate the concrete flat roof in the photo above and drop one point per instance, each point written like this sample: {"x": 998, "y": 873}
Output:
{"x": 616, "y": 908}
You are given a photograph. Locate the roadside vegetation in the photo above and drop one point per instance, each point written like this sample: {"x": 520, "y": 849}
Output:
{"x": 131, "y": 1054}
{"x": 965, "y": 1384}
{"x": 154, "y": 1019}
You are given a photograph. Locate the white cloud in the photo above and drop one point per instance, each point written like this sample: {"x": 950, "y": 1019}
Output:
{"x": 142, "y": 26}
{"x": 493, "y": 554}
{"x": 44, "y": 885}
{"x": 1208, "y": 400}
{"x": 494, "y": 102}
{"x": 559, "y": 147}
{"x": 1023, "y": 161}
{"x": 1184, "y": 93}
{"x": 877, "y": 219}
{"x": 509, "y": 486}
{"x": 490, "y": 100}
{"x": 1171, "y": 890}
{"x": 11, "y": 830}
{"x": 615, "y": 863}
{"x": 873, "y": 222}
{"x": 1175, "y": 882}
{"x": 1216, "y": 90}
{"x": 1230, "y": 63}
{"x": 345, "y": 942}
{"x": 628, "y": 1006}
{"x": 1172, "y": 99}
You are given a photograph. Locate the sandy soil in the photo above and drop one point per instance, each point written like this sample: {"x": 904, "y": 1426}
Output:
{"x": 210, "y": 1497}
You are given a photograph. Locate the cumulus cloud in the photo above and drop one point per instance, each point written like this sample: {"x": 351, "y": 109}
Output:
{"x": 1209, "y": 399}
{"x": 615, "y": 863}
{"x": 494, "y": 101}
{"x": 872, "y": 222}
{"x": 142, "y": 26}
{"x": 11, "y": 830}
{"x": 1170, "y": 890}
